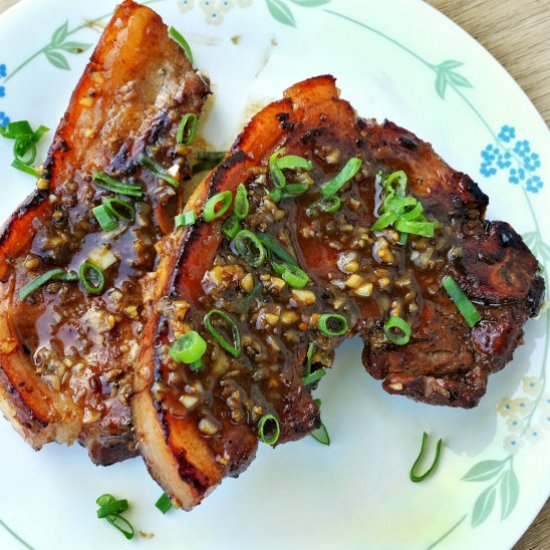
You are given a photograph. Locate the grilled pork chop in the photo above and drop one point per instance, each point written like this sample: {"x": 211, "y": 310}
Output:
{"x": 237, "y": 332}
{"x": 66, "y": 353}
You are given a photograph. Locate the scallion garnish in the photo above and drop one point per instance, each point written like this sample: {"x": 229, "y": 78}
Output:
{"x": 422, "y": 228}
{"x": 241, "y": 205}
{"x": 217, "y": 206}
{"x": 277, "y": 176}
{"x": 119, "y": 208}
{"x": 116, "y": 186}
{"x": 157, "y": 170}
{"x": 311, "y": 377}
{"x": 324, "y": 204}
{"x": 231, "y": 226}
{"x": 184, "y": 219}
{"x": 249, "y": 247}
{"x": 24, "y": 148}
{"x": 417, "y": 478}
{"x": 294, "y": 162}
{"x": 177, "y": 36}
{"x": 187, "y": 128}
{"x": 104, "y": 218}
{"x": 397, "y": 331}
{"x": 332, "y": 324}
{"x": 346, "y": 174}
{"x": 111, "y": 509}
{"x": 164, "y": 503}
{"x": 92, "y": 277}
{"x": 466, "y": 308}
{"x": 56, "y": 274}
{"x": 293, "y": 275}
{"x": 188, "y": 348}
{"x": 275, "y": 247}
{"x": 234, "y": 347}
{"x": 291, "y": 191}
{"x": 321, "y": 433}
{"x": 269, "y": 425}
{"x": 207, "y": 160}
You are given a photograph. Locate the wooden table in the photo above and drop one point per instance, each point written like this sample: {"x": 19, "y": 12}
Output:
{"x": 517, "y": 33}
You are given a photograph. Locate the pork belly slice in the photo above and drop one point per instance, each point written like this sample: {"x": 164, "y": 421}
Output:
{"x": 66, "y": 355}
{"x": 195, "y": 425}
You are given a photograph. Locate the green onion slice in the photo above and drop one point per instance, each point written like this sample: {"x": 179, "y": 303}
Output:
{"x": 111, "y": 506}
{"x": 321, "y": 433}
{"x": 56, "y": 274}
{"x": 217, "y": 206}
{"x": 250, "y": 247}
{"x": 106, "y": 221}
{"x": 324, "y": 204}
{"x": 241, "y": 206}
{"x": 403, "y": 238}
{"x": 275, "y": 247}
{"x": 416, "y": 478}
{"x": 294, "y": 162}
{"x": 424, "y": 229}
{"x": 187, "y": 128}
{"x": 384, "y": 221}
{"x": 177, "y": 36}
{"x": 188, "y": 348}
{"x": 466, "y": 308}
{"x": 116, "y": 186}
{"x": 92, "y": 277}
{"x": 207, "y": 160}
{"x": 231, "y": 226}
{"x": 184, "y": 219}
{"x": 19, "y": 165}
{"x": 24, "y": 148}
{"x": 346, "y": 174}
{"x": 157, "y": 170}
{"x": 164, "y": 503}
{"x": 119, "y": 208}
{"x": 293, "y": 275}
{"x": 122, "y": 524}
{"x": 292, "y": 190}
{"x": 332, "y": 324}
{"x": 269, "y": 423}
{"x": 397, "y": 331}
{"x": 234, "y": 347}
{"x": 396, "y": 183}
{"x": 277, "y": 176}
{"x": 311, "y": 377}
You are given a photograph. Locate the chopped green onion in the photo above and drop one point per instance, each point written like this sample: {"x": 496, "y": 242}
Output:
{"x": 241, "y": 205}
{"x": 104, "y": 218}
{"x": 398, "y": 177}
{"x": 196, "y": 366}
{"x": 403, "y": 238}
{"x": 249, "y": 247}
{"x": 207, "y": 160}
{"x": 384, "y": 221}
{"x": 217, "y": 206}
{"x": 56, "y": 274}
{"x": 105, "y": 499}
{"x": 184, "y": 219}
{"x": 116, "y": 186}
{"x": 396, "y": 323}
{"x": 400, "y": 205}
{"x": 177, "y": 36}
{"x": 294, "y": 162}
{"x": 332, "y": 319}
{"x": 293, "y": 275}
{"x": 416, "y": 478}
{"x": 311, "y": 377}
{"x": 248, "y": 299}
{"x": 187, "y": 128}
{"x": 19, "y": 165}
{"x": 231, "y": 226}
{"x": 321, "y": 433}
{"x": 164, "y": 503}
{"x": 112, "y": 507}
{"x": 324, "y": 204}
{"x": 466, "y": 308}
{"x": 274, "y": 246}
{"x": 157, "y": 170}
{"x": 122, "y": 524}
{"x": 346, "y": 174}
{"x": 292, "y": 190}
{"x": 414, "y": 213}
{"x": 277, "y": 176}
{"x": 119, "y": 208}
{"x": 234, "y": 348}
{"x": 269, "y": 419}
{"x": 188, "y": 348}
{"x": 424, "y": 229}
{"x": 92, "y": 277}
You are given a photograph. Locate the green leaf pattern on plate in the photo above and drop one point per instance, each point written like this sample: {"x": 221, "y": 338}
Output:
{"x": 55, "y": 57}
{"x": 484, "y": 470}
{"x": 446, "y": 73}
{"x": 484, "y": 505}
{"x": 281, "y": 12}
{"x": 509, "y": 493}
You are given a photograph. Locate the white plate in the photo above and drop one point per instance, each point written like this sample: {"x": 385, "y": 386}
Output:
{"x": 391, "y": 59}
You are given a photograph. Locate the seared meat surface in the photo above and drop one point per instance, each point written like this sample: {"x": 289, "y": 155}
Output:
{"x": 198, "y": 421}
{"x": 66, "y": 354}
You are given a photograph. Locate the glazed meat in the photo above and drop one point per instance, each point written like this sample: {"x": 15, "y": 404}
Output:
{"x": 66, "y": 352}
{"x": 248, "y": 304}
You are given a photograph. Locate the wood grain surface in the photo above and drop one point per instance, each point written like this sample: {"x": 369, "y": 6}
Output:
{"x": 517, "y": 33}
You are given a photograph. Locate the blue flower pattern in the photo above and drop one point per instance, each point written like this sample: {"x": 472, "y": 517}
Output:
{"x": 514, "y": 156}
{"x": 4, "y": 119}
